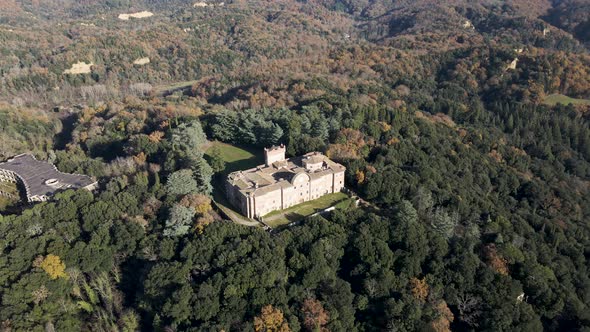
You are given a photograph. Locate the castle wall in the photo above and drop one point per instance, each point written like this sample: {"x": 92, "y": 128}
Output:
{"x": 302, "y": 190}
{"x": 302, "y": 186}
{"x": 321, "y": 186}
{"x": 289, "y": 198}
{"x": 338, "y": 184}
{"x": 313, "y": 182}
{"x": 268, "y": 202}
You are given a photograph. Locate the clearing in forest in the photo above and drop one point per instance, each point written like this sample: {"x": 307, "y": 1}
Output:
{"x": 142, "y": 14}
{"x": 141, "y": 61}
{"x": 80, "y": 68}
{"x": 557, "y": 98}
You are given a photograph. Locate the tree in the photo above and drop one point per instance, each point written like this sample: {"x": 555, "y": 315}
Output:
{"x": 444, "y": 223}
{"x": 180, "y": 220}
{"x": 199, "y": 202}
{"x": 40, "y": 294}
{"x": 216, "y": 160}
{"x": 315, "y": 317}
{"x": 189, "y": 137}
{"x": 202, "y": 206}
{"x": 202, "y": 174}
{"x": 445, "y": 318}
{"x": 270, "y": 320}
{"x": 419, "y": 289}
{"x": 360, "y": 176}
{"x": 423, "y": 201}
{"x": 469, "y": 309}
{"x": 225, "y": 126}
{"x": 53, "y": 266}
{"x": 495, "y": 260}
{"x": 271, "y": 135}
{"x": 182, "y": 182}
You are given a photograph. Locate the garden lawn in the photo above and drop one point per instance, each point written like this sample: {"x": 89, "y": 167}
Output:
{"x": 303, "y": 210}
{"x": 236, "y": 158}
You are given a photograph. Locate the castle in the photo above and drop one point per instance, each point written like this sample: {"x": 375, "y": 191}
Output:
{"x": 281, "y": 183}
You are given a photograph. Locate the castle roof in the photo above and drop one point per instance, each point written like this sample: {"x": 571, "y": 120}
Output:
{"x": 265, "y": 179}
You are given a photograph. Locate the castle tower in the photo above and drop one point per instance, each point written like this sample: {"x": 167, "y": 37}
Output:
{"x": 274, "y": 154}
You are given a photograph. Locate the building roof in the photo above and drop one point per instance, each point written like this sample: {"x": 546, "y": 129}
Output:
{"x": 264, "y": 179}
{"x": 42, "y": 178}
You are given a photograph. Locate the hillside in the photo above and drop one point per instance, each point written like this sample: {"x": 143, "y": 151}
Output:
{"x": 464, "y": 127}
{"x": 183, "y": 42}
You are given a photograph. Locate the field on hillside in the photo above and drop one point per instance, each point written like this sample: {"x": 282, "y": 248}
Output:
{"x": 556, "y": 98}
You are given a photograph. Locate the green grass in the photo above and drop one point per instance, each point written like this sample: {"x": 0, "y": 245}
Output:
{"x": 303, "y": 210}
{"x": 10, "y": 188}
{"x": 236, "y": 158}
{"x": 556, "y": 98}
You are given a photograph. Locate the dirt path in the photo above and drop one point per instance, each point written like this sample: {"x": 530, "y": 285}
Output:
{"x": 238, "y": 219}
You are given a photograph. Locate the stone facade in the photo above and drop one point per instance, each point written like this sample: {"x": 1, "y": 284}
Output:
{"x": 282, "y": 183}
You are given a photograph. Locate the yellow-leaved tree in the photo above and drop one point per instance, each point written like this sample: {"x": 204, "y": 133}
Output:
{"x": 53, "y": 266}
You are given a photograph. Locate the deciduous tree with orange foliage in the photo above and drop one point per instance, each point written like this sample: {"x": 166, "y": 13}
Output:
{"x": 271, "y": 320}
{"x": 495, "y": 260}
{"x": 315, "y": 315}
{"x": 349, "y": 143}
{"x": 419, "y": 288}
{"x": 443, "y": 322}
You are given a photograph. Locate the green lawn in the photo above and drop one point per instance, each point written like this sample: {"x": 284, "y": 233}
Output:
{"x": 303, "y": 210}
{"x": 236, "y": 158}
{"x": 10, "y": 188}
{"x": 556, "y": 98}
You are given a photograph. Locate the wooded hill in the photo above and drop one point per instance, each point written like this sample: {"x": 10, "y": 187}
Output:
{"x": 477, "y": 186}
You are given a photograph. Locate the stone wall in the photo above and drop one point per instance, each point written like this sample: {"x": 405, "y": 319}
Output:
{"x": 301, "y": 190}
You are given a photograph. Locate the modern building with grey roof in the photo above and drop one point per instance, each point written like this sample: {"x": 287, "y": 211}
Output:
{"x": 282, "y": 183}
{"x": 39, "y": 179}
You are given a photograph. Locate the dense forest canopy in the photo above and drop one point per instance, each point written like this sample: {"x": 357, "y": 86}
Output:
{"x": 464, "y": 127}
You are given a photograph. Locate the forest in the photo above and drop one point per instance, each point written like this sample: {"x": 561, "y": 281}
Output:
{"x": 476, "y": 187}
